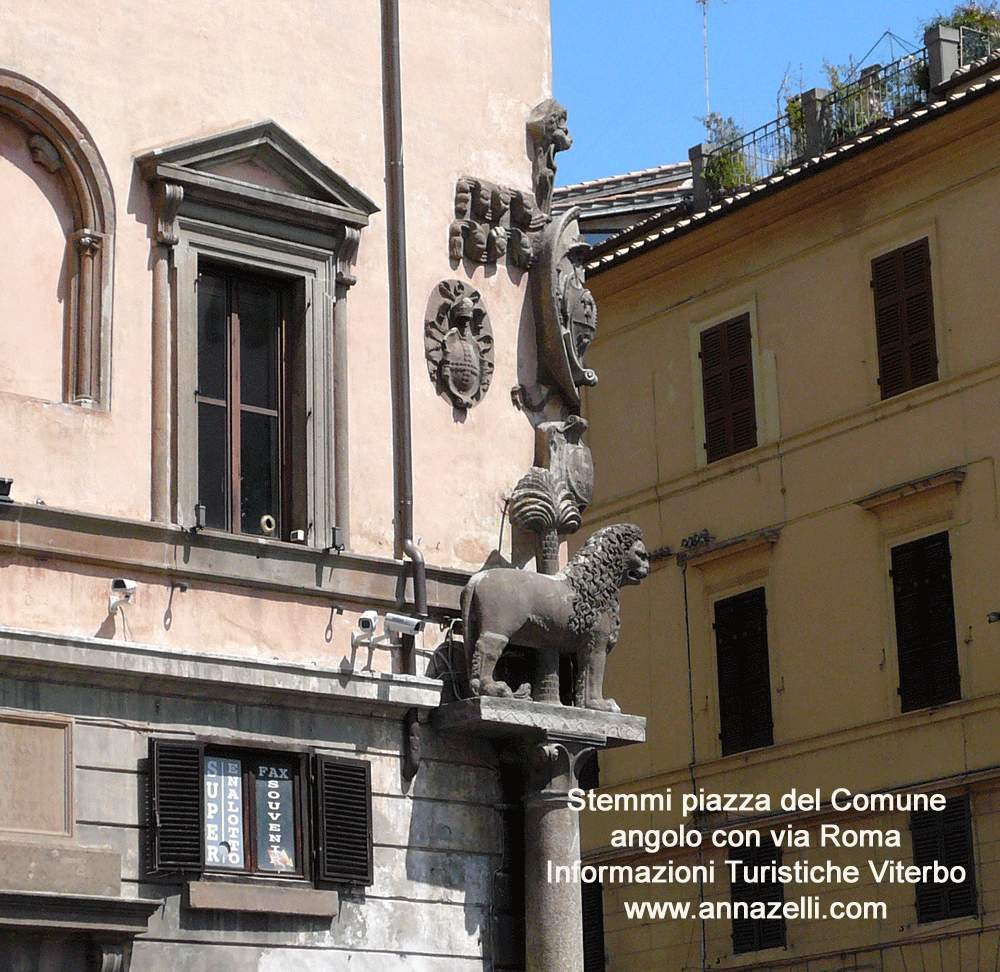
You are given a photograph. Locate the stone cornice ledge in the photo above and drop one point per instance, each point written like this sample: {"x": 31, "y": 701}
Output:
{"x": 705, "y": 553}
{"x": 537, "y": 721}
{"x": 875, "y": 501}
{"x": 93, "y": 913}
{"x": 172, "y": 671}
{"x": 242, "y": 562}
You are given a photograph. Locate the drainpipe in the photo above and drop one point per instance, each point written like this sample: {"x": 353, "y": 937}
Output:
{"x": 399, "y": 345}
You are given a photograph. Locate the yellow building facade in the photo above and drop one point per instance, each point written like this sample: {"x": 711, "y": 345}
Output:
{"x": 798, "y": 404}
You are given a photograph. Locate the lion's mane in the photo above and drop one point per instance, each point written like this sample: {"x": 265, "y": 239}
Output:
{"x": 595, "y": 574}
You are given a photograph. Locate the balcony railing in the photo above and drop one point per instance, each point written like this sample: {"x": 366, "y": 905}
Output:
{"x": 817, "y": 122}
{"x": 974, "y": 44}
{"x": 878, "y": 94}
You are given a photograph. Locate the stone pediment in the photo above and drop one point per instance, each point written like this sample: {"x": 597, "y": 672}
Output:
{"x": 259, "y": 166}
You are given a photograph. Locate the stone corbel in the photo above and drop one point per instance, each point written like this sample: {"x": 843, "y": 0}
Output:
{"x": 347, "y": 254}
{"x": 167, "y": 199}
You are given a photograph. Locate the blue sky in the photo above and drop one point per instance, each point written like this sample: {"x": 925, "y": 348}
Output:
{"x": 631, "y": 72}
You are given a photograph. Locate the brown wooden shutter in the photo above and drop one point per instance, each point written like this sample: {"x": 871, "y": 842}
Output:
{"x": 926, "y": 639}
{"x": 177, "y": 805}
{"x": 945, "y": 836}
{"x": 754, "y": 934}
{"x": 727, "y": 388}
{"x": 904, "y": 319}
{"x": 744, "y": 672}
{"x": 344, "y": 820}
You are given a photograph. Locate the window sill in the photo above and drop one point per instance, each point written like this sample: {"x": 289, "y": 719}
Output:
{"x": 291, "y": 900}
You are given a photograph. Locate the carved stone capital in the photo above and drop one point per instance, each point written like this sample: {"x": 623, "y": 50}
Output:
{"x": 109, "y": 957}
{"x": 167, "y": 199}
{"x": 542, "y": 501}
{"x": 87, "y": 242}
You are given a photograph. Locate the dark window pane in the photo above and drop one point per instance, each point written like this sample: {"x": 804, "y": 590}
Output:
{"x": 213, "y": 474}
{"x": 945, "y": 837}
{"x": 926, "y": 637}
{"x": 754, "y": 934}
{"x": 275, "y": 804}
{"x": 259, "y": 319}
{"x": 213, "y": 351}
{"x": 259, "y": 474}
{"x": 744, "y": 672}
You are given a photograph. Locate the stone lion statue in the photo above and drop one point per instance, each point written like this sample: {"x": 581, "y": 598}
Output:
{"x": 574, "y": 611}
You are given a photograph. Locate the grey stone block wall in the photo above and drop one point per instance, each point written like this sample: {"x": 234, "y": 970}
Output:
{"x": 436, "y": 840}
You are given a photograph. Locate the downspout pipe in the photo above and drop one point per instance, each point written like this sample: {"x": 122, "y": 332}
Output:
{"x": 399, "y": 344}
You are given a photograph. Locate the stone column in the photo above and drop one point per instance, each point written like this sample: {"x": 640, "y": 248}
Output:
{"x": 166, "y": 203}
{"x": 86, "y": 371}
{"x": 552, "y": 837}
{"x": 550, "y": 741}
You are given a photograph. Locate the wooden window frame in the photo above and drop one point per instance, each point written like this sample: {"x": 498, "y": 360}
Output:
{"x": 290, "y": 421}
{"x": 310, "y": 230}
{"x": 757, "y": 934}
{"x": 745, "y": 722}
{"x": 945, "y": 836}
{"x": 926, "y": 646}
{"x": 310, "y": 275}
{"x": 905, "y": 333}
{"x": 334, "y": 840}
{"x": 251, "y": 811}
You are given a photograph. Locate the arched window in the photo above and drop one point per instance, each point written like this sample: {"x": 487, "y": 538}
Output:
{"x": 52, "y": 169}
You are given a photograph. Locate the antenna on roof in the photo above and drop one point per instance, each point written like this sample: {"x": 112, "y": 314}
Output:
{"x": 704, "y": 34}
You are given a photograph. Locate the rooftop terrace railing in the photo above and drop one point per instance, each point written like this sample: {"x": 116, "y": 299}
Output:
{"x": 819, "y": 120}
{"x": 879, "y": 93}
{"x": 974, "y": 44}
{"x": 814, "y": 122}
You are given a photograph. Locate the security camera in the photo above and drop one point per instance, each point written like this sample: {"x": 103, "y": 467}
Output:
{"x": 368, "y": 622}
{"x": 402, "y": 624}
{"x": 122, "y": 592}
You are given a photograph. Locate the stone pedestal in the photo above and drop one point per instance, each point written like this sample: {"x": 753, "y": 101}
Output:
{"x": 551, "y": 742}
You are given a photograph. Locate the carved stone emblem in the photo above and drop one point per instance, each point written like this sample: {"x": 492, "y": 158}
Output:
{"x": 492, "y": 221}
{"x": 458, "y": 343}
{"x": 565, "y": 310}
{"x": 560, "y": 449}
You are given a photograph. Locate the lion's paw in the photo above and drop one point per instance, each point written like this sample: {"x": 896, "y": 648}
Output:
{"x": 499, "y": 690}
